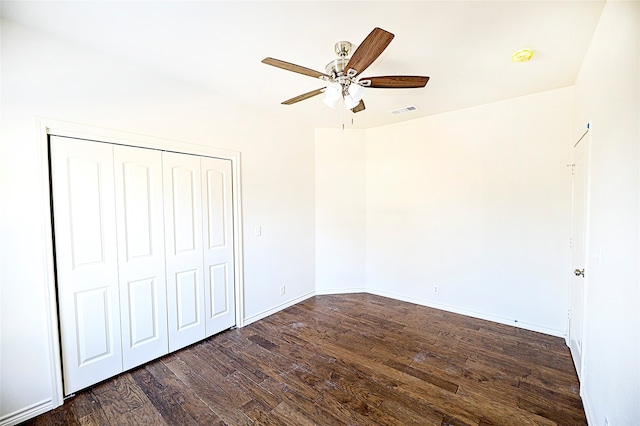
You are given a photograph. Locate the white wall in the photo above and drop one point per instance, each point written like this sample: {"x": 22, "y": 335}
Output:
{"x": 340, "y": 210}
{"x": 48, "y": 78}
{"x": 476, "y": 202}
{"x": 608, "y": 95}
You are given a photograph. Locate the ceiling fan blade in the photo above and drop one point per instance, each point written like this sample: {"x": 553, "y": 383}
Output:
{"x": 294, "y": 68}
{"x": 395, "y": 81}
{"x": 303, "y": 96}
{"x": 369, "y": 50}
{"x": 359, "y": 107}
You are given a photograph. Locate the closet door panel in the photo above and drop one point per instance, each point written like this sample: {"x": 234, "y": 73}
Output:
{"x": 184, "y": 253}
{"x": 86, "y": 260}
{"x": 218, "y": 248}
{"x": 141, "y": 257}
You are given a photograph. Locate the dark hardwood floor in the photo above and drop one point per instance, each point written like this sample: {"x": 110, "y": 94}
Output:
{"x": 354, "y": 359}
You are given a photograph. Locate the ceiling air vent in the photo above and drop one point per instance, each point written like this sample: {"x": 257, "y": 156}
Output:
{"x": 406, "y": 109}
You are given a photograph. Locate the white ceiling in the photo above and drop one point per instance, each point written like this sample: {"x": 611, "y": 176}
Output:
{"x": 463, "y": 46}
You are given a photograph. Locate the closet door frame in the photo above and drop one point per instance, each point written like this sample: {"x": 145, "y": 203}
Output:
{"x": 46, "y": 127}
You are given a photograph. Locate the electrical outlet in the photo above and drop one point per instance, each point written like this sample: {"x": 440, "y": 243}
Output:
{"x": 435, "y": 289}
{"x": 282, "y": 290}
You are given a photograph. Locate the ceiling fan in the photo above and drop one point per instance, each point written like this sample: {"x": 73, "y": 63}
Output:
{"x": 342, "y": 74}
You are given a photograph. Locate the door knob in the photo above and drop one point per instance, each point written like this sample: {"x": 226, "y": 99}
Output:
{"x": 579, "y": 272}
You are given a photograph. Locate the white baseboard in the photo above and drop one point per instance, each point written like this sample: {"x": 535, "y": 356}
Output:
{"x": 266, "y": 313}
{"x": 448, "y": 308}
{"x": 588, "y": 410}
{"x": 479, "y": 315}
{"x": 27, "y": 413}
{"x": 328, "y": 291}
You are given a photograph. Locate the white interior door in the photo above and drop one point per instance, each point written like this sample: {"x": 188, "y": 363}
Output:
{"x": 184, "y": 250}
{"x": 578, "y": 254}
{"x": 86, "y": 261}
{"x": 141, "y": 258}
{"x": 218, "y": 245}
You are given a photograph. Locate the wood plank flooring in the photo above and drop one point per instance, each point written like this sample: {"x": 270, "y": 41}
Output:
{"x": 354, "y": 359}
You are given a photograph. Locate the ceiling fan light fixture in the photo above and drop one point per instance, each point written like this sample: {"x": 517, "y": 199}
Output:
{"x": 350, "y": 102}
{"x": 356, "y": 92}
{"x": 329, "y": 102}
{"x": 333, "y": 92}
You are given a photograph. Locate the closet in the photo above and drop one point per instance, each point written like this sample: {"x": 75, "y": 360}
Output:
{"x": 144, "y": 254}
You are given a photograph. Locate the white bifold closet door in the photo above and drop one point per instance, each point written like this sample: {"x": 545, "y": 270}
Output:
{"x": 199, "y": 249}
{"x": 141, "y": 258}
{"x": 86, "y": 261}
{"x": 184, "y": 251}
{"x": 144, "y": 254}
{"x": 219, "y": 276}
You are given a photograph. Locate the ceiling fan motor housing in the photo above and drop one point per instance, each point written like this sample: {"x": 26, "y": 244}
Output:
{"x": 336, "y": 67}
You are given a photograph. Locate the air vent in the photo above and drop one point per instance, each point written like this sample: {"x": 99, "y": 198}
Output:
{"x": 406, "y": 109}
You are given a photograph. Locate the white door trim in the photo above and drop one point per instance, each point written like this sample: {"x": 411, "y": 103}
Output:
{"x": 46, "y": 127}
{"x": 579, "y": 359}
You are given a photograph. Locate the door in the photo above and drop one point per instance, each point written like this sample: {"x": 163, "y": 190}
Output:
{"x": 218, "y": 244}
{"x": 184, "y": 250}
{"x": 144, "y": 254}
{"x": 578, "y": 252}
{"x": 140, "y": 227}
{"x": 86, "y": 260}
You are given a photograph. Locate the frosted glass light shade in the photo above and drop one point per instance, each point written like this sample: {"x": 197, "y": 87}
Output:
{"x": 333, "y": 92}
{"x": 356, "y": 92}
{"x": 329, "y": 102}
{"x": 350, "y": 102}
